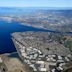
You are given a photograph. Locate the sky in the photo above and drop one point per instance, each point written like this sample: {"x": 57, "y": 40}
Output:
{"x": 35, "y": 3}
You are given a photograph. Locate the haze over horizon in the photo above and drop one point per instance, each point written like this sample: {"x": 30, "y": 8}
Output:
{"x": 36, "y": 3}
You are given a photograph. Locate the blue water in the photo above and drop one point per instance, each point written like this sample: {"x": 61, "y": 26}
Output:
{"x": 6, "y": 29}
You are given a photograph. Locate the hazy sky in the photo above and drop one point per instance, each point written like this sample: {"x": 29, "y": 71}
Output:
{"x": 36, "y": 3}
